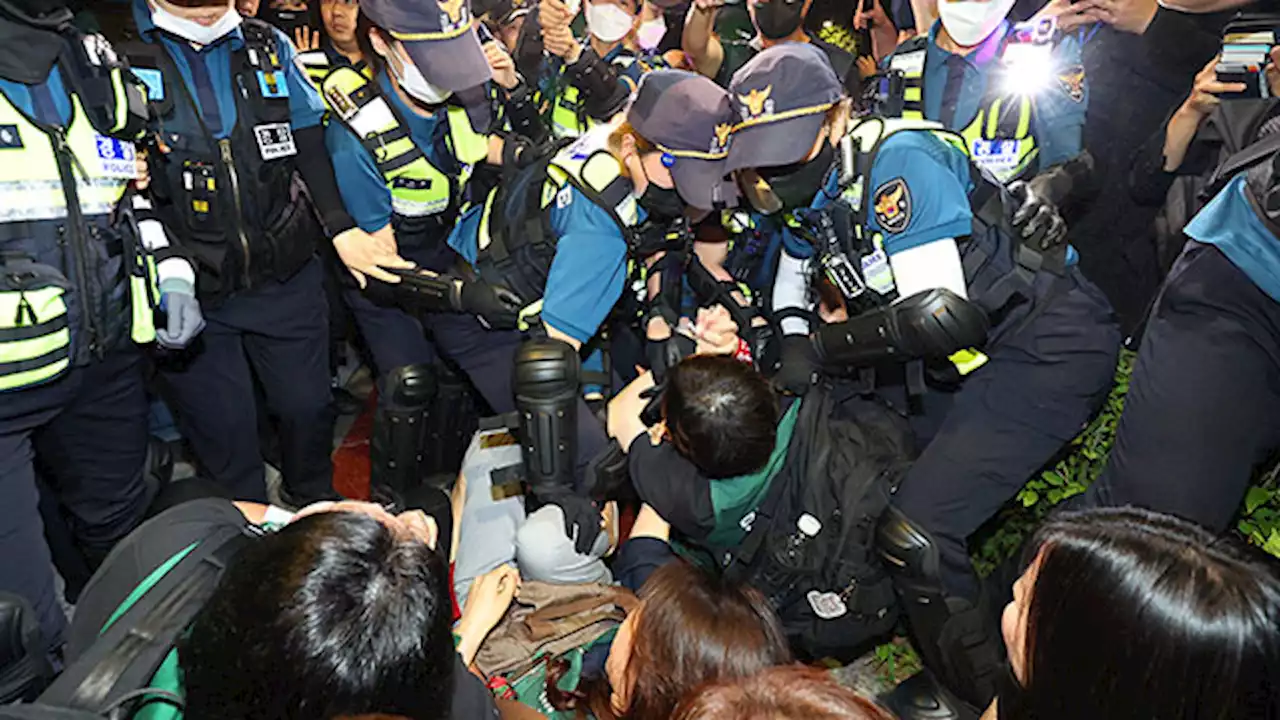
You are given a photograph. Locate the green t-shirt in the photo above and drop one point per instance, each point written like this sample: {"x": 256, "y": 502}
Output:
{"x": 734, "y": 499}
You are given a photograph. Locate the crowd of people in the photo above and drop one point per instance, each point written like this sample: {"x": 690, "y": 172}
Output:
{"x": 705, "y": 336}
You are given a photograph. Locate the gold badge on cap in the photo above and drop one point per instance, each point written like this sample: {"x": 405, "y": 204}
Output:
{"x": 756, "y": 103}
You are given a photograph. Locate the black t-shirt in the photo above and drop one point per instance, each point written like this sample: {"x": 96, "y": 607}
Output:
{"x": 160, "y": 538}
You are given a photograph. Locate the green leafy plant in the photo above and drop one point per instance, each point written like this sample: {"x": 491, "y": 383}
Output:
{"x": 896, "y": 661}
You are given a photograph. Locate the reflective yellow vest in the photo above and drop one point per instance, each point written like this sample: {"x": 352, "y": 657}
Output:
{"x": 35, "y": 332}
{"x": 1000, "y": 138}
{"x": 515, "y": 242}
{"x": 568, "y": 120}
{"x": 418, "y": 188}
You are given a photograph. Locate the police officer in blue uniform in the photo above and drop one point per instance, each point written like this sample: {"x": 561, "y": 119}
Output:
{"x": 586, "y": 83}
{"x": 403, "y": 145}
{"x": 83, "y": 268}
{"x": 993, "y": 345}
{"x": 556, "y": 236}
{"x": 1017, "y": 95}
{"x": 1200, "y": 414}
{"x": 233, "y": 118}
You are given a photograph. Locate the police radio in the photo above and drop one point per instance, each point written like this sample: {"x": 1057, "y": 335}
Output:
{"x": 819, "y": 229}
{"x": 883, "y": 94}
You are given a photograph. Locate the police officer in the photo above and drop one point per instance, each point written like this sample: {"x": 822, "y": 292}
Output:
{"x": 1017, "y": 97}
{"x": 995, "y": 346}
{"x": 557, "y": 234}
{"x": 1200, "y": 412}
{"x": 234, "y": 118}
{"x": 79, "y": 257}
{"x": 403, "y": 146}
{"x": 592, "y": 80}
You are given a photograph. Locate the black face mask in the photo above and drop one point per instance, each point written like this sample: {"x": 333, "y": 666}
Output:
{"x": 797, "y": 185}
{"x": 776, "y": 19}
{"x": 661, "y": 203}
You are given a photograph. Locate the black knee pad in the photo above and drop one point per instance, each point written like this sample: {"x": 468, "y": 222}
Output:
{"x": 546, "y": 380}
{"x": 408, "y": 386}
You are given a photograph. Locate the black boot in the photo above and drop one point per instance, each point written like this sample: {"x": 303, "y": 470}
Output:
{"x": 960, "y": 645}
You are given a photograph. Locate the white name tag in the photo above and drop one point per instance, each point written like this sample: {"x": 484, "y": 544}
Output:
{"x": 373, "y": 118}
{"x": 275, "y": 140}
{"x": 911, "y": 63}
{"x": 998, "y": 157}
{"x": 877, "y": 273}
{"x": 116, "y": 158}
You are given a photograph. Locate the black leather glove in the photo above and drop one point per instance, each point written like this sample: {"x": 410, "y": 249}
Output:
{"x": 662, "y": 355}
{"x": 496, "y": 306}
{"x": 799, "y": 367}
{"x": 582, "y": 520}
{"x": 1036, "y": 218}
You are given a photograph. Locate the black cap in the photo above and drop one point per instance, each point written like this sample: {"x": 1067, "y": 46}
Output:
{"x": 781, "y": 97}
{"x": 689, "y": 118}
{"x": 439, "y": 37}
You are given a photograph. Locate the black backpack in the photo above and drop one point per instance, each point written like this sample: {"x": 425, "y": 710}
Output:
{"x": 810, "y": 548}
{"x": 113, "y": 677}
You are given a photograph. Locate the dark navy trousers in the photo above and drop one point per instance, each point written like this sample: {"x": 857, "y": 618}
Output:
{"x": 86, "y": 435}
{"x": 1203, "y": 408}
{"x": 276, "y": 334}
{"x": 981, "y": 443}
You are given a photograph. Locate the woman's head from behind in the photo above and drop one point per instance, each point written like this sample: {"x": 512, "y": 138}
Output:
{"x": 792, "y": 692}
{"x": 340, "y": 614}
{"x": 1125, "y": 613}
{"x": 690, "y": 628}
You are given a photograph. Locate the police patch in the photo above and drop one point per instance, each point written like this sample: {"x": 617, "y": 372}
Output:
{"x": 1072, "y": 82}
{"x": 892, "y": 203}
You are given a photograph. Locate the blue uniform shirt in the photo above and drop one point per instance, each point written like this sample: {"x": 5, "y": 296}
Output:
{"x": 1230, "y": 223}
{"x": 920, "y": 193}
{"x": 364, "y": 190}
{"x": 589, "y": 270}
{"x": 955, "y": 85}
{"x": 47, "y": 102}
{"x": 207, "y": 75}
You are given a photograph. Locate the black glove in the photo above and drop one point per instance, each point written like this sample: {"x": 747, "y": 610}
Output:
{"x": 582, "y": 520}
{"x": 799, "y": 366}
{"x": 662, "y": 355}
{"x": 496, "y": 306}
{"x": 1037, "y": 219}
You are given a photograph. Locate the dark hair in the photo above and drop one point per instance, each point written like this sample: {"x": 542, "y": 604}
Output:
{"x": 792, "y": 692}
{"x": 693, "y": 628}
{"x": 721, "y": 414}
{"x": 1140, "y": 615}
{"x": 334, "y": 615}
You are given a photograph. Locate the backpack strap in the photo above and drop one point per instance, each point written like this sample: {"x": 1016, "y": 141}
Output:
{"x": 125, "y": 657}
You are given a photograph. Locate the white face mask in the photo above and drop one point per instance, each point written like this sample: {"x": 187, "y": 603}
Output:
{"x": 193, "y": 31}
{"x": 651, "y": 32}
{"x": 413, "y": 83}
{"x": 608, "y": 22}
{"x": 969, "y": 22}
